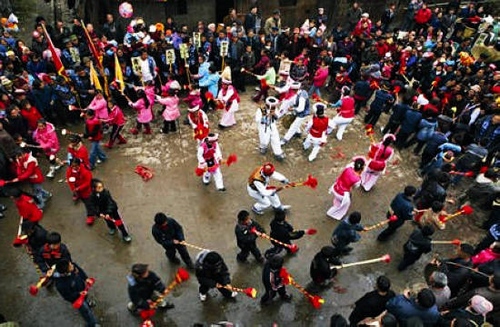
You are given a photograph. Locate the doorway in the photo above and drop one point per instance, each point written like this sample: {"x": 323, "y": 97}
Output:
{"x": 222, "y": 9}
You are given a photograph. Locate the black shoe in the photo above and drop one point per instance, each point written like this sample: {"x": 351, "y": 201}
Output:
{"x": 175, "y": 261}
{"x": 260, "y": 259}
{"x": 347, "y": 250}
{"x": 241, "y": 259}
{"x": 286, "y": 297}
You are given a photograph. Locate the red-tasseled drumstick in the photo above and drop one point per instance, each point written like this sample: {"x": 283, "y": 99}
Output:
{"x": 315, "y": 300}
{"x": 292, "y": 247}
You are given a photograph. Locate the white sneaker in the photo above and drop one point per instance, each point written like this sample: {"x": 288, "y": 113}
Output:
{"x": 257, "y": 211}
{"x": 51, "y": 172}
{"x": 233, "y": 294}
{"x": 203, "y": 297}
{"x": 99, "y": 161}
{"x": 131, "y": 306}
{"x": 285, "y": 207}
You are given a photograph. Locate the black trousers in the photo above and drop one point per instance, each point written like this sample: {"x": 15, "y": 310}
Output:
{"x": 203, "y": 289}
{"x": 409, "y": 258}
{"x": 170, "y": 252}
{"x": 392, "y": 227}
{"x": 372, "y": 116}
{"x": 246, "y": 250}
{"x": 270, "y": 294}
{"x": 169, "y": 126}
{"x": 118, "y": 223}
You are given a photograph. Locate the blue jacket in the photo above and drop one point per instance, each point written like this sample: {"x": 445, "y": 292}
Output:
{"x": 345, "y": 232}
{"x": 426, "y": 128}
{"x": 411, "y": 121}
{"x": 402, "y": 207}
{"x": 70, "y": 285}
{"x": 403, "y": 309}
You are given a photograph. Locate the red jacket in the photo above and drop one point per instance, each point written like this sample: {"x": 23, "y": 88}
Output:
{"x": 27, "y": 169}
{"x": 93, "y": 129}
{"x": 82, "y": 185}
{"x": 31, "y": 116}
{"x": 82, "y": 153}
{"x": 28, "y": 209}
{"x": 423, "y": 16}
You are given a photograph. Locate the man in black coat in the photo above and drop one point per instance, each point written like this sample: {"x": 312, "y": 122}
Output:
{"x": 372, "y": 303}
{"x": 211, "y": 271}
{"x": 37, "y": 236}
{"x": 245, "y": 239}
{"x": 418, "y": 244}
{"x": 273, "y": 282}
{"x": 144, "y": 286}
{"x": 321, "y": 271}
{"x": 282, "y": 231}
{"x": 168, "y": 232}
{"x": 71, "y": 282}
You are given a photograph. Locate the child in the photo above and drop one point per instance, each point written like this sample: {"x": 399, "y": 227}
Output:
{"x": 144, "y": 113}
{"x": 273, "y": 282}
{"x": 93, "y": 132}
{"x": 229, "y": 97}
{"x": 245, "y": 239}
{"x": 117, "y": 120}
{"x": 105, "y": 206}
{"x": 45, "y": 135}
{"x": 170, "y": 111}
{"x": 30, "y": 114}
{"x": 346, "y": 232}
{"x": 282, "y": 231}
{"x": 79, "y": 180}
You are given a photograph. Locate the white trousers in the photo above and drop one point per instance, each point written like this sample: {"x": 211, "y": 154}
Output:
{"x": 217, "y": 175}
{"x": 294, "y": 128}
{"x": 270, "y": 135}
{"x": 341, "y": 123}
{"x": 369, "y": 178}
{"x": 264, "y": 202}
{"x": 316, "y": 143}
{"x": 341, "y": 204}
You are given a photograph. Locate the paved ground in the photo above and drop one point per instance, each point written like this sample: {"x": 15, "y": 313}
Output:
{"x": 208, "y": 218}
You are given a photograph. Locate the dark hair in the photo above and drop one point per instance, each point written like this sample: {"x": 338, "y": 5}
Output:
{"x": 76, "y": 161}
{"x": 90, "y": 113}
{"x": 62, "y": 266}
{"x": 427, "y": 230}
{"x": 160, "y": 218}
{"x": 95, "y": 181}
{"x": 243, "y": 215}
{"x": 410, "y": 190}
{"x": 437, "y": 206}
{"x": 276, "y": 262}
{"x": 359, "y": 164}
{"x": 338, "y": 321}
{"x": 355, "y": 217}
{"x": 141, "y": 94}
{"x": 383, "y": 284}
{"x": 54, "y": 238}
{"x": 280, "y": 215}
{"x": 426, "y": 298}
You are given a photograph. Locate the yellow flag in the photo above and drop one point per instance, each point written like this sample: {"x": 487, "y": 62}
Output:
{"x": 94, "y": 78}
{"x": 119, "y": 75}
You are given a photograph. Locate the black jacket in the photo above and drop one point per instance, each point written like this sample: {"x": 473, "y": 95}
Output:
{"x": 70, "y": 285}
{"x": 320, "y": 268}
{"x": 210, "y": 274}
{"x": 46, "y": 258}
{"x": 37, "y": 238}
{"x": 418, "y": 243}
{"x": 244, "y": 237}
{"x": 283, "y": 232}
{"x": 103, "y": 203}
{"x": 271, "y": 278}
{"x": 140, "y": 290}
{"x": 166, "y": 236}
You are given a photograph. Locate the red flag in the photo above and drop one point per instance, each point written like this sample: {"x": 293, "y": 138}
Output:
{"x": 92, "y": 47}
{"x": 55, "y": 56}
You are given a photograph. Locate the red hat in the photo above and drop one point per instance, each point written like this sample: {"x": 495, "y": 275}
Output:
{"x": 268, "y": 169}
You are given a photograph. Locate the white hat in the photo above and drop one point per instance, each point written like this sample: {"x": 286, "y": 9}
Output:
{"x": 226, "y": 81}
{"x": 152, "y": 28}
{"x": 365, "y": 15}
{"x": 481, "y": 305}
{"x": 175, "y": 85}
{"x": 389, "y": 136}
{"x": 212, "y": 137}
{"x": 194, "y": 109}
{"x": 476, "y": 88}
{"x": 295, "y": 85}
{"x": 271, "y": 101}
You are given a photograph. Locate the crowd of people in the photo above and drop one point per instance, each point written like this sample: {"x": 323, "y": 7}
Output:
{"x": 435, "y": 76}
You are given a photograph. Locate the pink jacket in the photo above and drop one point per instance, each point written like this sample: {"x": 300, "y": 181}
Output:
{"x": 100, "y": 106}
{"x": 171, "y": 111}
{"x": 116, "y": 116}
{"x": 484, "y": 256}
{"x": 47, "y": 138}
{"x": 347, "y": 179}
{"x": 144, "y": 114}
{"x": 320, "y": 77}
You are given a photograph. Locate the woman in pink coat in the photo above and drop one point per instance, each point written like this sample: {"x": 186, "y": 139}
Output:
{"x": 319, "y": 79}
{"x": 349, "y": 178}
{"x": 45, "y": 135}
{"x": 229, "y": 98}
{"x": 117, "y": 120}
{"x": 144, "y": 113}
{"x": 170, "y": 111}
{"x": 380, "y": 154}
{"x": 99, "y": 105}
